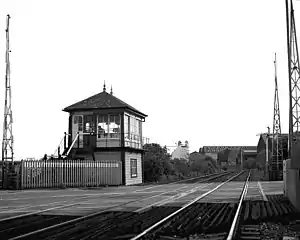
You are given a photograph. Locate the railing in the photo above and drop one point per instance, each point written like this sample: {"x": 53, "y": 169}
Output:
{"x": 113, "y": 140}
{"x": 73, "y": 143}
{"x": 70, "y": 173}
{"x": 102, "y": 140}
{"x": 127, "y": 137}
{"x": 62, "y": 147}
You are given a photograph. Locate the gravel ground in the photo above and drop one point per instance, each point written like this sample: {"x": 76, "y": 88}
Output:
{"x": 276, "y": 231}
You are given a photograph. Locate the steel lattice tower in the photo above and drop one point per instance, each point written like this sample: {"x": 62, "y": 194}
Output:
{"x": 277, "y": 151}
{"x": 7, "y": 143}
{"x": 294, "y": 77}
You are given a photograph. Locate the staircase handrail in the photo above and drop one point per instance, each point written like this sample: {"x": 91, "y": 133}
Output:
{"x": 69, "y": 150}
{"x": 62, "y": 145}
{"x": 59, "y": 146}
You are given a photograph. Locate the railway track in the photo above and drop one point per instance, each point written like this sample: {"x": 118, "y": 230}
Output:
{"x": 21, "y": 225}
{"x": 108, "y": 225}
{"x": 194, "y": 220}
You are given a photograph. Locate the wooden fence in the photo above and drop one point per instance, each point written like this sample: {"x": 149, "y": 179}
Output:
{"x": 69, "y": 173}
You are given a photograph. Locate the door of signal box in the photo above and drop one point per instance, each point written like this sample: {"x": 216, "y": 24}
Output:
{"x": 89, "y": 136}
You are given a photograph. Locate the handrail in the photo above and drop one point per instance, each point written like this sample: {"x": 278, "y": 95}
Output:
{"x": 69, "y": 150}
{"x": 63, "y": 146}
{"x": 143, "y": 140}
{"x": 56, "y": 150}
{"x": 233, "y": 227}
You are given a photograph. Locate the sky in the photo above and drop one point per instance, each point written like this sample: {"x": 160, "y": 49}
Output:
{"x": 202, "y": 71}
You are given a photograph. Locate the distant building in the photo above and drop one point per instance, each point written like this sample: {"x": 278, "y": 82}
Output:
{"x": 262, "y": 144}
{"x": 181, "y": 152}
{"x": 228, "y": 154}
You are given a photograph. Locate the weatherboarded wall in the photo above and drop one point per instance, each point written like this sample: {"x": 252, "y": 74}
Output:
{"x": 108, "y": 156}
{"x": 129, "y": 180}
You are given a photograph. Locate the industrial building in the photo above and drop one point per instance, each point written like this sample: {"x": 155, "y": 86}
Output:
{"x": 181, "y": 151}
{"x": 229, "y": 155}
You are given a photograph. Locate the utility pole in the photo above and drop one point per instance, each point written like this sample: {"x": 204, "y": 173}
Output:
{"x": 7, "y": 142}
{"x": 294, "y": 84}
{"x": 277, "y": 151}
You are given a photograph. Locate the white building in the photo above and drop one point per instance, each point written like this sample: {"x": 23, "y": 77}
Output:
{"x": 181, "y": 152}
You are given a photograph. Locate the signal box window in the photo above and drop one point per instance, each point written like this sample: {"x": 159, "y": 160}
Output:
{"x": 133, "y": 168}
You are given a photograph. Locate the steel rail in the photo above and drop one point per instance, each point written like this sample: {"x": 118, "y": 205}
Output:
{"x": 83, "y": 218}
{"x": 234, "y": 224}
{"x": 210, "y": 176}
{"x": 182, "y": 208}
{"x": 36, "y": 212}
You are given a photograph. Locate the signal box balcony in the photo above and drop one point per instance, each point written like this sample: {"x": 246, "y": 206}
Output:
{"x": 109, "y": 140}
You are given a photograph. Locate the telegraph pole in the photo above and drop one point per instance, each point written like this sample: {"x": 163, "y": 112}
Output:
{"x": 277, "y": 151}
{"x": 294, "y": 84}
{"x": 7, "y": 142}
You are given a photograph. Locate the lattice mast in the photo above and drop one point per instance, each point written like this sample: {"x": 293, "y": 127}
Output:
{"x": 7, "y": 142}
{"x": 277, "y": 151}
{"x": 294, "y": 77}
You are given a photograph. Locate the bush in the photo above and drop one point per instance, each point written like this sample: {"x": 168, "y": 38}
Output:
{"x": 158, "y": 165}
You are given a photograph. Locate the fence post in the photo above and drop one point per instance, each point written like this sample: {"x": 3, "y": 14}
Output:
{"x": 22, "y": 175}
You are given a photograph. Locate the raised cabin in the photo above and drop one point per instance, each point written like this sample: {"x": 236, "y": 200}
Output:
{"x": 103, "y": 127}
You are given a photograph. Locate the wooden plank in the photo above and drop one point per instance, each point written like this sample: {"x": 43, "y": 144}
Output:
{"x": 22, "y": 174}
{"x": 72, "y": 173}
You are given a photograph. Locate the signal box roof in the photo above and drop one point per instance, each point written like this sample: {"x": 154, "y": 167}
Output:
{"x": 101, "y": 100}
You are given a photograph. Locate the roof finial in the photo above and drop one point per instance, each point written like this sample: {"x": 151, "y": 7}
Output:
{"x": 111, "y": 91}
{"x": 104, "y": 87}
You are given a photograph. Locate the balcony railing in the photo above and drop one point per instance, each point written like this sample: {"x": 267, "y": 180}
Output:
{"x": 101, "y": 140}
{"x": 114, "y": 140}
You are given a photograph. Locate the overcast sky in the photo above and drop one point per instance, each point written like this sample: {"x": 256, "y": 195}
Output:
{"x": 202, "y": 71}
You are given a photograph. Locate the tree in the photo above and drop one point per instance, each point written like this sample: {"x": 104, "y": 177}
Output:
{"x": 181, "y": 166}
{"x": 212, "y": 161}
{"x": 196, "y": 161}
{"x": 156, "y": 162}
{"x": 202, "y": 163}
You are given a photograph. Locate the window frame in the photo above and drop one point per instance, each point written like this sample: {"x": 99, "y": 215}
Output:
{"x": 107, "y": 134}
{"x": 78, "y": 119}
{"x": 133, "y": 166}
{"x": 132, "y": 128}
{"x": 127, "y": 126}
{"x": 89, "y": 126}
{"x": 109, "y": 129}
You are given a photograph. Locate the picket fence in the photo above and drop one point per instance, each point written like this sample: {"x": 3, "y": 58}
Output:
{"x": 69, "y": 173}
